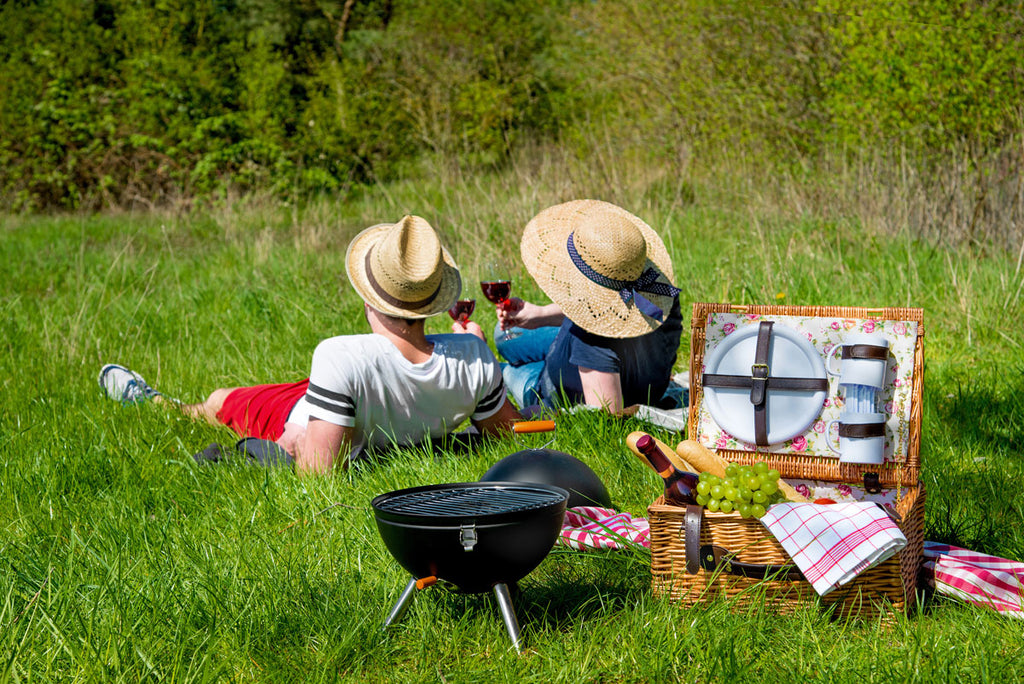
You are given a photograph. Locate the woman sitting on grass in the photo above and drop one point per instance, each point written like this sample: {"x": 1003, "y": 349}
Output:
{"x": 609, "y": 338}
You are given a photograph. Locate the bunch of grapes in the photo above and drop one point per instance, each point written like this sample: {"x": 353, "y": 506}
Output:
{"x": 748, "y": 490}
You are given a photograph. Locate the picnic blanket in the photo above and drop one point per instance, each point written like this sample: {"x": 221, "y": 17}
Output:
{"x": 590, "y": 527}
{"x": 981, "y": 579}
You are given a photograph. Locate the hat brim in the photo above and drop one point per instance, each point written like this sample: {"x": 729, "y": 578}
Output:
{"x": 594, "y": 308}
{"x": 355, "y": 265}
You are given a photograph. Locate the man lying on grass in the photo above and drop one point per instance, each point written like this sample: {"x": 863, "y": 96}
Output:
{"x": 396, "y": 386}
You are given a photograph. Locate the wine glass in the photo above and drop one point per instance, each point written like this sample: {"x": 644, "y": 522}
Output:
{"x": 462, "y": 310}
{"x": 496, "y": 286}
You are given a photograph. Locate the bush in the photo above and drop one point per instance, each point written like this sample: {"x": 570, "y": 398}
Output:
{"x": 113, "y": 102}
{"x": 930, "y": 74}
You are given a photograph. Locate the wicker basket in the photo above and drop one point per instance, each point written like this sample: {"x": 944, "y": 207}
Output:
{"x": 888, "y": 587}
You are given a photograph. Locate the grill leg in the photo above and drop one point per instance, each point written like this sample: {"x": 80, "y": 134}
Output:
{"x": 507, "y": 613}
{"x": 403, "y": 602}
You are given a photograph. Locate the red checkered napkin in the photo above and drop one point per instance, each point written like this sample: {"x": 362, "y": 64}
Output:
{"x": 984, "y": 580}
{"x": 833, "y": 543}
{"x": 587, "y": 527}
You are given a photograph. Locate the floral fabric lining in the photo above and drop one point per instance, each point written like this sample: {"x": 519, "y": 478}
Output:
{"x": 825, "y": 334}
{"x": 845, "y": 493}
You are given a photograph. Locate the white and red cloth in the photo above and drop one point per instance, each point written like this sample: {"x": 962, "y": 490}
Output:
{"x": 979, "y": 578}
{"x": 833, "y": 543}
{"x": 588, "y": 527}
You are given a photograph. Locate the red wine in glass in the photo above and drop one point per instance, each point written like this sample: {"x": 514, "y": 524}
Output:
{"x": 496, "y": 286}
{"x": 462, "y": 310}
{"x": 496, "y": 291}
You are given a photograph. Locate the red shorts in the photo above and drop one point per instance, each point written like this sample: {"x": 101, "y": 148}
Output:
{"x": 262, "y": 410}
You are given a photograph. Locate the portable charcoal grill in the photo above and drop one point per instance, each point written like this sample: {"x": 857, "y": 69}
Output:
{"x": 478, "y": 536}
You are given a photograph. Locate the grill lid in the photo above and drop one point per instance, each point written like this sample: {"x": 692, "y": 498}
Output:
{"x": 469, "y": 500}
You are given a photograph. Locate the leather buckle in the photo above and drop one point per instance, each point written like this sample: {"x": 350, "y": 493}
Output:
{"x": 759, "y": 373}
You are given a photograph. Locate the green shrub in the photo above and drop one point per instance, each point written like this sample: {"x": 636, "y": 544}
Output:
{"x": 929, "y": 74}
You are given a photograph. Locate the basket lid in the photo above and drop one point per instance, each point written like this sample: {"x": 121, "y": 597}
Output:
{"x": 736, "y": 357}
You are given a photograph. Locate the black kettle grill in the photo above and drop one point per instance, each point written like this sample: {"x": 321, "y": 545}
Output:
{"x": 478, "y": 536}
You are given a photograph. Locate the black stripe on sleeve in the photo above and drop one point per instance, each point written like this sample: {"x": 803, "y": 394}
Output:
{"x": 332, "y": 407}
{"x": 492, "y": 400}
{"x": 328, "y": 394}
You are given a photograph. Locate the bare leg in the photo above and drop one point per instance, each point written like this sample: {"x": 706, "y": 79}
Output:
{"x": 208, "y": 409}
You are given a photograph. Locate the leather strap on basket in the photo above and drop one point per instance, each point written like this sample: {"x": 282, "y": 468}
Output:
{"x": 759, "y": 383}
{"x": 711, "y": 558}
{"x": 761, "y": 380}
{"x": 715, "y": 558}
{"x": 865, "y": 351}
{"x": 691, "y": 543}
{"x": 862, "y": 431}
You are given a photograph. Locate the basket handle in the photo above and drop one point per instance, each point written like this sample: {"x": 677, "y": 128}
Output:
{"x": 711, "y": 558}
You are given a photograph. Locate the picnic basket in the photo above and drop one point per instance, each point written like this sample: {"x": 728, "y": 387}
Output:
{"x": 756, "y": 567}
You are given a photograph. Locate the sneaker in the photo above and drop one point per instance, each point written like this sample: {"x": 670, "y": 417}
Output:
{"x": 125, "y": 386}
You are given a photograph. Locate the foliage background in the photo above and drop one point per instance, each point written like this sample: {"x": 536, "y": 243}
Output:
{"x": 118, "y": 104}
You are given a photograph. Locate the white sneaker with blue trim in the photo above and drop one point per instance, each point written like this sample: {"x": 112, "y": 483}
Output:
{"x": 125, "y": 386}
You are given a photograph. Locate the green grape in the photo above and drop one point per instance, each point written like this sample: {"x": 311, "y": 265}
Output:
{"x": 744, "y": 509}
{"x": 760, "y": 497}
{"x": 745, "y": 493}
{"x": 753, "y": 482}
{"x": 725, "y": 506}
{"x": 712, "y": 505}
{"x": 702, "y": 476}
{"x": 760, "y": 467}
{"x": 757, "y": 510}
{"x": 702, "y": 499}
{"x": 746, "y": 471}
{"x": 703, "y": 487}
{"x": 730, "y": 493}
{"x": 717, "y": 491}
{"x": 769, "y": 487}
{"x": 732, "y": 470}
{"x": 773, "y": 475}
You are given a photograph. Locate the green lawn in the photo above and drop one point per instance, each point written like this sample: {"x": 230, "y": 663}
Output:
{"x": 122, "y": 560}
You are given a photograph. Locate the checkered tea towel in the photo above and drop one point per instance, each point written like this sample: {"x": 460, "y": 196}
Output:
{"x": 588, "y": 527}
{"x": 833, "y": 543}
{"x": 979, "y": 578}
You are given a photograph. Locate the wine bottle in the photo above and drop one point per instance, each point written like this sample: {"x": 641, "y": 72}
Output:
{"x": 680, "y": 486}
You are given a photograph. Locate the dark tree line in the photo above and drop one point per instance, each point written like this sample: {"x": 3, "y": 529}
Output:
{"x": 120, "y": 102}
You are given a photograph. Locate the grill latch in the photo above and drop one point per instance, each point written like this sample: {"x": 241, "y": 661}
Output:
{"x": 467, "y": 536}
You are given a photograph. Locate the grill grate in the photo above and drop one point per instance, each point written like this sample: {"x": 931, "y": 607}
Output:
{"x": 469, "y": 502}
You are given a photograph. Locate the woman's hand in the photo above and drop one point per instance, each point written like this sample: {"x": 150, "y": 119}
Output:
{"x": 517, "y": 313}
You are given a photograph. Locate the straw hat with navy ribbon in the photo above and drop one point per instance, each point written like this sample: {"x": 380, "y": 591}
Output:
{"x": 401, "y": 269}
{"x": 605, "y": 268}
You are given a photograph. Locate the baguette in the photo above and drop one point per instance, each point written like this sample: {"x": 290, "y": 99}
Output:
{"x": 702, "y": 457}
{"x": 674, "y": 458}
{"x": 710, "y": 462}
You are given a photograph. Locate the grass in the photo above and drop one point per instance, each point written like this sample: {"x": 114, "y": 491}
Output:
{"x": 123, "y": 561}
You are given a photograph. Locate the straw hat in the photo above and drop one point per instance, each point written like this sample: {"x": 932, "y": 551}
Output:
{"x": 608, "y": 270}
{"x": 401, "y": 269}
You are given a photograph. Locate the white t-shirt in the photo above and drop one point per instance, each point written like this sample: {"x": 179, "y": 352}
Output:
{"x": 363, "y": 382}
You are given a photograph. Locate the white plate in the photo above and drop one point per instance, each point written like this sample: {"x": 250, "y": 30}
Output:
{"x": 790, "y": 412}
